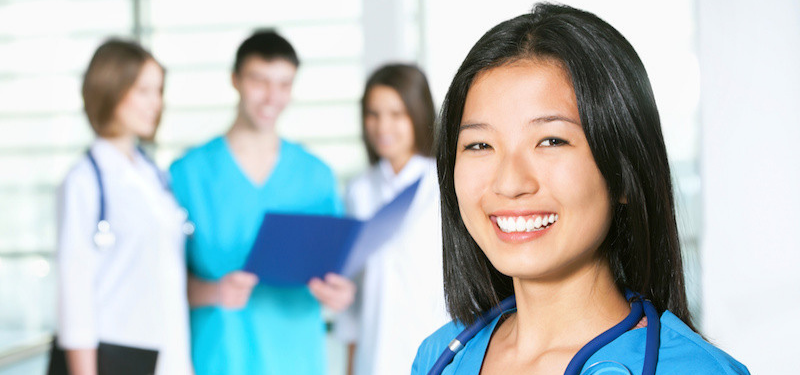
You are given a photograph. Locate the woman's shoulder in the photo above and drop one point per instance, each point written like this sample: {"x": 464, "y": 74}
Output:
{"x": 81, "y": 175}
{"x": 685, "y": 349}
{"x": 365, "y": 180}
{"x": 361, "y": 193}
{"x": 433, "y": 346}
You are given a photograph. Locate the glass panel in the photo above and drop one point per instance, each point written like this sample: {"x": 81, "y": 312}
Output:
{"x": 48, "y": 54}
{"x": 187, "y": 127}
{"x": 329, "y": 82}
{"x": 28, "y": 222}
{"x": 345, "y": 158}
{"x": 37, "y": 169}
{"x": 217, "y": 49}
{"x": 55, "y": 17}
{"x": 50, "y": 93}
{"x": 33, "y": 132}
{"x": 198, "y": 88}
{"x": 335, "y": 121}
{"x": 28, "y": 284}
{"x": 172, "y": 13}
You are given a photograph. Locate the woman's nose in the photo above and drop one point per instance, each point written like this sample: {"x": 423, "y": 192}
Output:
{"x": 515, "y": 176}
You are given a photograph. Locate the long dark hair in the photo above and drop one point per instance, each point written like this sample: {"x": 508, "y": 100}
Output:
{"x": 621, "y": 123}
{"x": 412, "y": 86}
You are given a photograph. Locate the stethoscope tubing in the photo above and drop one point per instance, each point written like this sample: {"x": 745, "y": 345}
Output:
{"x": 104, "y": 233}
{"x": 639, "y": 307}
{"x": 101, "y": 188}
{"x": 458, "y": 343}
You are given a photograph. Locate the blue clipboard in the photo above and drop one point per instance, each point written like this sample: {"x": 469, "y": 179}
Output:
{"x": 290, "y": 249}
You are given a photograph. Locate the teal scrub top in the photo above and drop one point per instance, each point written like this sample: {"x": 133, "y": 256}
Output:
{"x": 281, "y": 330}
{"x": 682, "y": 351}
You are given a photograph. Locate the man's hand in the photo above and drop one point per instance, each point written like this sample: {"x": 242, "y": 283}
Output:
{"x": 336, "y": 292}
{"x": 233, "y": 289}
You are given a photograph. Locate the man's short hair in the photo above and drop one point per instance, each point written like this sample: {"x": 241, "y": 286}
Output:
{"x": 268, "y": 45}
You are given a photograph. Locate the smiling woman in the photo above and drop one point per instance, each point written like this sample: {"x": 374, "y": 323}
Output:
{"x": 527, "y": 161}
{"x": 557, "y": 200}
{"x": 120, "y": 238}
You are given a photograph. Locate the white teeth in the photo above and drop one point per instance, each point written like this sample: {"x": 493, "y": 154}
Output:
{"x": 521, "y": 224}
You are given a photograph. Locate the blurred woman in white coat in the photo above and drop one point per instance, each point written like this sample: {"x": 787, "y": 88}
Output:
{"x": 400, "y": 297}
{"x": 122, "y": 273}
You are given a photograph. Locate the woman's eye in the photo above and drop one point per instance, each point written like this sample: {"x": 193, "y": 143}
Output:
{"x": 477, "y": 146}
{"x": 550, "y": 142}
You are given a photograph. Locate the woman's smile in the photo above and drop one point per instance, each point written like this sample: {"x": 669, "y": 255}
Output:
{"x": 528, "y": 188}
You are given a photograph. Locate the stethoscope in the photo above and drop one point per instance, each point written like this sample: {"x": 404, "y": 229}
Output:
{"x": 639, "y": 307}
{"x": 103, "y": 237}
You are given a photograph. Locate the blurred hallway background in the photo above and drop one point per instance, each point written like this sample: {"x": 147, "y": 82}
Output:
{"x": 725, "y": 75}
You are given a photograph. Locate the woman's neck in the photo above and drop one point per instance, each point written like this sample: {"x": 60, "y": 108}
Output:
{"x": 588, "y": 302}
{"x": 555, "y": 318}
{"x": 126, "y": 144}
{"x": 398, "y": 163}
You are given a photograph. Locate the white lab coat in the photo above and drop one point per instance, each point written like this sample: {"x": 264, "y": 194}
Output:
{"x": 133, "y": 293}
{"x": 400, "y": 299}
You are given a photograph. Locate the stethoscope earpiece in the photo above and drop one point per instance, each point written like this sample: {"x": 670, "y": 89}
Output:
{"x": 188, "y": 228}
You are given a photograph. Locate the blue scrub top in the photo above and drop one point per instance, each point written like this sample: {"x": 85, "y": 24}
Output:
{"x": 682, "y": 351}
{"x": 281, "y": 330}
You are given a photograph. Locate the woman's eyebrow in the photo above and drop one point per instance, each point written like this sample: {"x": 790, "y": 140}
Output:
{"x": 544, "y": 119}
{"x": 471, "y": 125}
{"x": 534, "y": 121}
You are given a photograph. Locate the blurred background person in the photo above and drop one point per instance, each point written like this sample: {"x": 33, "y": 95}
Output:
{"x": 240, "y": 326}
{"x": 400, "y": 297}
{"x": 122, "y": 277}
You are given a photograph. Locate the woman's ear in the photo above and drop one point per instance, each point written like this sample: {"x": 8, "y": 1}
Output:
{"x": 623, "y": 199}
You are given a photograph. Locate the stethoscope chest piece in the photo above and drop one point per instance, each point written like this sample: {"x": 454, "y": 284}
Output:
{"x": 103, "y": 237}
{"x": 188, "y": 226}
{"x": 607, "y": 368}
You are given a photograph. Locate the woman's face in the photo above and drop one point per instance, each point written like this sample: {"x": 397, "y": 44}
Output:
{"x": 528, "y": 188}
{"x": 139, "y": 110}
{"x": 389, "y": 128}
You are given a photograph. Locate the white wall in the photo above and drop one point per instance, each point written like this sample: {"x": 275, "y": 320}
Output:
{"x": 750, "y": 69}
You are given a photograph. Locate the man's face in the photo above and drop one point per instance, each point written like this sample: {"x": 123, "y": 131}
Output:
{"x": 265, "y": 88}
